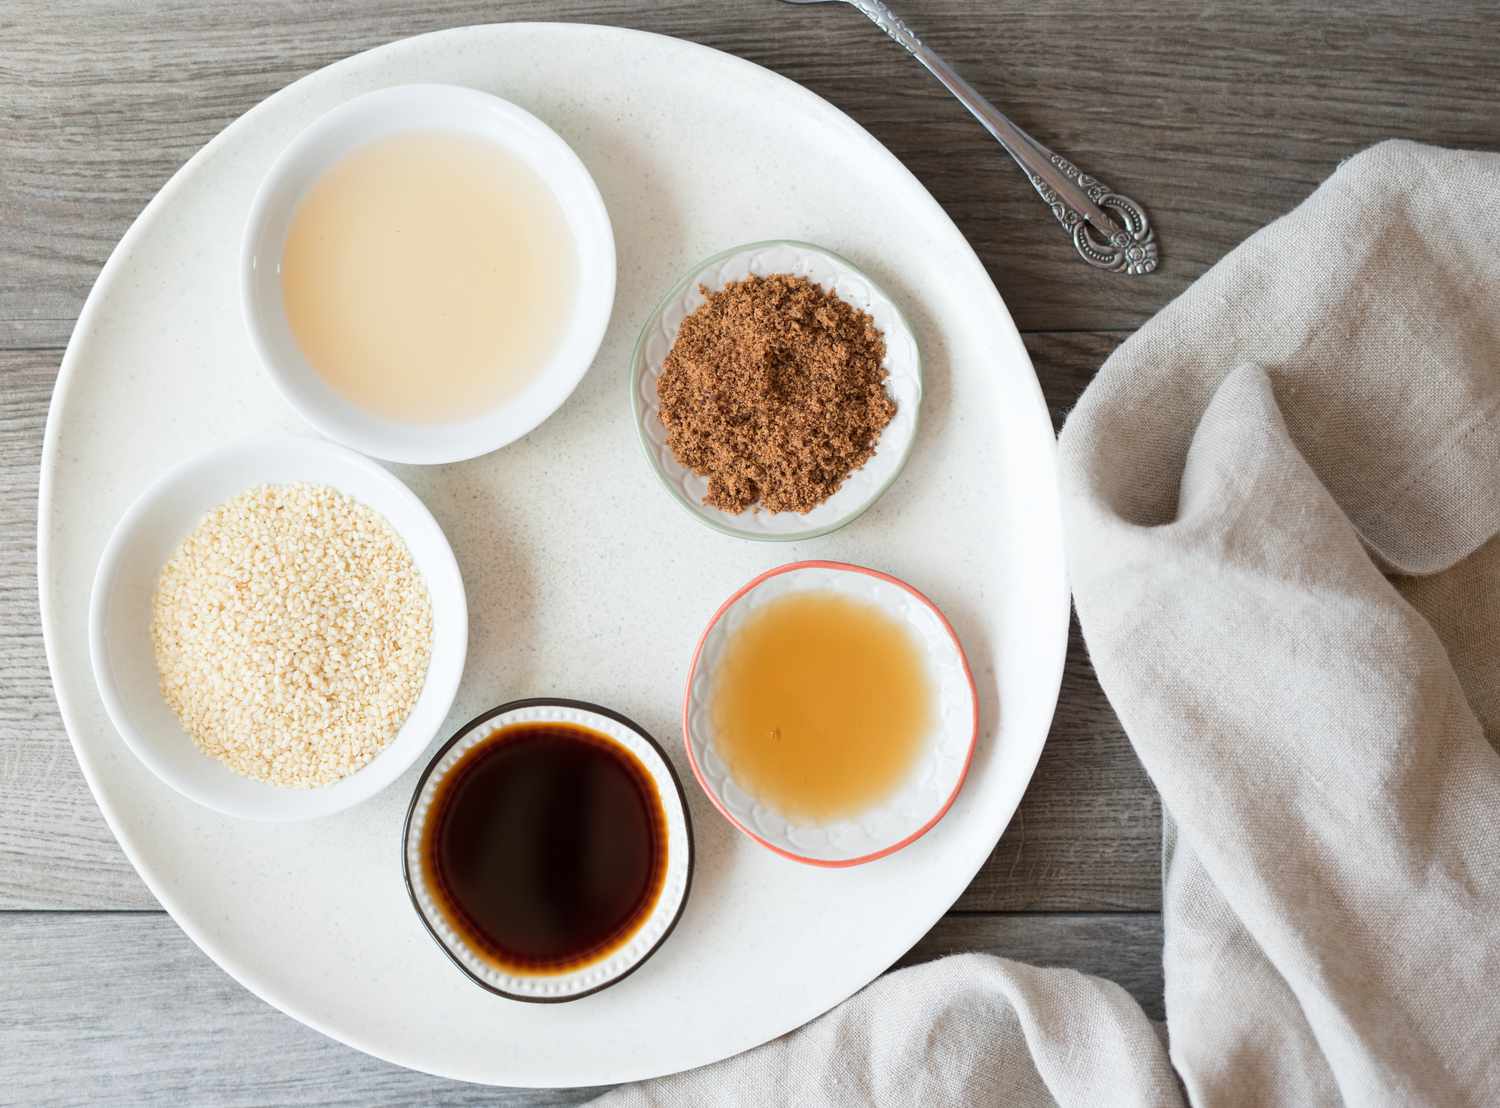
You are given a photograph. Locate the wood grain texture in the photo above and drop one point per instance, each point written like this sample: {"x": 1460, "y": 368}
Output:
{"x": 55, "y": 849}
{"x": 122, "y": 1008}
{"x": 1087, "y": 836}
{"x": 1216, "y": 116}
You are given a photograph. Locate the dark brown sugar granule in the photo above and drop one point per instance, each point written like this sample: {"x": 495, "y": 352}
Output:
{"x": 774, "y": 391}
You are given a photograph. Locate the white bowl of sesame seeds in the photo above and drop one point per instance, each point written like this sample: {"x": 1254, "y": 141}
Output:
{"x": 326, "y": 701}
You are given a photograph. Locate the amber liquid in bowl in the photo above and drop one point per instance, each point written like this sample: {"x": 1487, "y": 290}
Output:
{"x": 822, "y": 705}
{"x": 546, "y": 847}
{"x": 428, "y": 276}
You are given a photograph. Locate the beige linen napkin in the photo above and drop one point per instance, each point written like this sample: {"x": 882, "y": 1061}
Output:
{"x": 1279, "y": 497}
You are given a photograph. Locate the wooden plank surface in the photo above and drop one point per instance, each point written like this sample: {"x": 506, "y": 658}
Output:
{"x": 131, "y": 1012}
{"x": 1217, "y": 116}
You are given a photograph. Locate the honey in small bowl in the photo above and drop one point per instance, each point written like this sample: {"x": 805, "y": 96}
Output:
{"x": 821, "y": 705}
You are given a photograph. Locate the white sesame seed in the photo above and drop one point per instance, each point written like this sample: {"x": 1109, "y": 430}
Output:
{"x": 292, "y": 633}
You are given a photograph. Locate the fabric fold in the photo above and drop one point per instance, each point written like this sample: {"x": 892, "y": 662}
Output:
{"x": 1328, "y": 412}
{"x": 967, "y": 1029}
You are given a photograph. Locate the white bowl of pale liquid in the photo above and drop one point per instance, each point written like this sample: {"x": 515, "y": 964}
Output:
{"x": 427, "y": 273}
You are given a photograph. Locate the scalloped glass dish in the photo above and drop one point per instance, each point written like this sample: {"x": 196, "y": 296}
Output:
{"x": 947, "y": 749}
{"x": 902, "y": 362}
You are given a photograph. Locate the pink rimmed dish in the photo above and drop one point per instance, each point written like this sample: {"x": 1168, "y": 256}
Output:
{"x": 947, "y": 749}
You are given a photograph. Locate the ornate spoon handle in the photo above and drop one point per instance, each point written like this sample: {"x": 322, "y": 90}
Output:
{"x": 1082, "y": 203}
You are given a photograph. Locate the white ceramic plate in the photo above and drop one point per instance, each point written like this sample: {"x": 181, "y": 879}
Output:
{"x": 652, "y": 931}
{"x": 948, "y": 747}
{"x": 120, "y": 619}
{"x": 904, "y": 384}
{"x": 583, "y": 579}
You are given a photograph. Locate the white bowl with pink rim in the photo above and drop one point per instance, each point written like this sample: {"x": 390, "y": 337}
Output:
{"x": 120, "y": 613}
{"x": 927, "y": 792}
{"x": 376, "y": 115}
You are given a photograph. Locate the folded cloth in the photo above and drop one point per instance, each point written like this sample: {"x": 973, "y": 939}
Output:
{"x": 1279, "y": 497}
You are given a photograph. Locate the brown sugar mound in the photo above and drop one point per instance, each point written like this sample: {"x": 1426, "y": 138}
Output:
{"x": 774, "y": 391}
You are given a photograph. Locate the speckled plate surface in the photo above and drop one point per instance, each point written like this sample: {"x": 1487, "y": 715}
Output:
{"x": 583, "y": 579}
{"x": 904, "y": 384}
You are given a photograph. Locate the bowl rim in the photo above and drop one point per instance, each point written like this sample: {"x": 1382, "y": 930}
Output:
{"x": 712, "y": 793}
{"x": 108, "y": 568}
{"x": 590, "y": 321}
{"x": 576, "y": 705}
{"x": 638, "y": 416}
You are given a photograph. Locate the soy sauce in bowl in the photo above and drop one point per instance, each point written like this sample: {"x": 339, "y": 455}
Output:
{"x": 548, "y": 849}
{"x": 546, "y": 846}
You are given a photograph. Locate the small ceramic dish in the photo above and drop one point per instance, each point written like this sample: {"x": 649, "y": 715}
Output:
{"x": 902, "y": 363}
{"x": 622, "y": 959}
{"x": 933, "y": 784}
{"x": 376, "y": 115}
{"x": 120, "y": 620}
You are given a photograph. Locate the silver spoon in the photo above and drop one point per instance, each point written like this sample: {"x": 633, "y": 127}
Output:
{"x": 1081, "y": 203}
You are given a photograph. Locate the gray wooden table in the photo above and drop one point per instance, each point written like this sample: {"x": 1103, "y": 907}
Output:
{"x": 1217, "y": 116}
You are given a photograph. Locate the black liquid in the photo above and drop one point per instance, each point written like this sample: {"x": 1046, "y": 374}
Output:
{"x": 546, "y": 846}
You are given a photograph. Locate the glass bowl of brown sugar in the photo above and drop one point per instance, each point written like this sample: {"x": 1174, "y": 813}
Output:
{"x": 775, "y": 390}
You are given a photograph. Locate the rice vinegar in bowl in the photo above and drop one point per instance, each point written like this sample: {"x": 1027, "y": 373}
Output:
{"x": 428, "y": 272}
{"x": 428, "y": 275}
